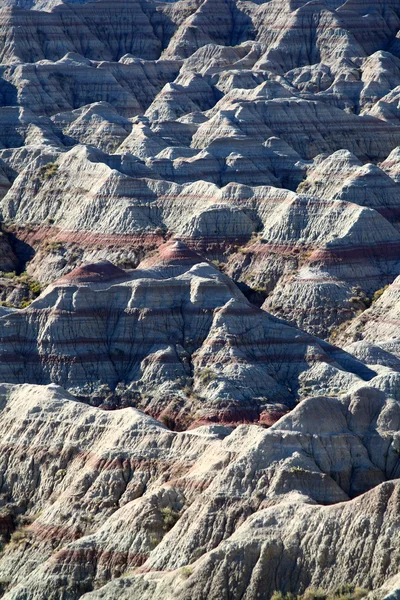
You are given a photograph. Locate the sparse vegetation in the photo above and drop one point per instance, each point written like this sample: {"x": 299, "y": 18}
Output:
{"x": 218, "y": 265}
{"x": 304, "y": 187}
{"x": 379, "y": 293}
{"x": 170, "y": 518}
{"x": 360, "y": 298}
{"x": 126, "y": 262}
{"x": 305, "y": 391}
{"x": 20, "y": 536}
{"x": 344, "y": 592}
{"x": 47, "y": 171}
{"x": 168, "y": 421}
{"x": 186, "y": 572}
{"x": 32, "y": 289}
{"x": 335, "y": 333}
{"x": 154, "y": 540}
{"x": 297, "y": 469}
{"x": 259, "y": 289}
{"x": 113, "y": 146}
{"x": 207, "y": 376}
{"x": 52, "y": 247}
{"x": 25, "y": 302}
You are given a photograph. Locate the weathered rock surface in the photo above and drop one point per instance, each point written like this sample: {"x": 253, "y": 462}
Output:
{"x": 342, "y": 176}
{"x": 207, "y": 188}
{"x": 176, "y": 338}
{"x": 265, "y": 495}
{"x": 269, "y": 542}
{"x": 379, "y": 324}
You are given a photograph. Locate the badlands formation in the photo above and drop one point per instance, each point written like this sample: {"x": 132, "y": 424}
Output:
{"x": 200, "y": 300}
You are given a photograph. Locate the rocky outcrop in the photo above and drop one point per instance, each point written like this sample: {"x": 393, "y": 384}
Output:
{"x": 271, "y": 233}
{"x": 379, "y": 324}
{"x": 318, "y": 128}
{"x": 124, "y": 454}
{"x": 342, "y": 177}
{"x": 265, "y": 495}
{"x": 258, "y": 544}
{"x": 100, "y": 326}
{"x": 33, "y": 36}
{"x": 73, "y": 81}
{"x": 195, "y": 196}
{"x": 97, "y": 125}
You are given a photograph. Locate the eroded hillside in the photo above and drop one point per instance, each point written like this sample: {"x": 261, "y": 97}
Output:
{"x": 199, "y": 299}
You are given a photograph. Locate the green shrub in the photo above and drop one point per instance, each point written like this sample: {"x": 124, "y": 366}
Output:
{"x": 282, "y": 596}
{"x": 315, "y": 594}
{"x": 25, "y": 303}
{"x": 186, "y": 572}
{"x": 347, "y": 591}
{"x": 297, "y": 469}
{"x": 170, "y": 518}
{"x": 47, "y": 171}
{"x": 206, "y": 376}
{"x": 379, "y": 293}
{"x": 20, "y": 536}
{"x": 154, "y": 540}
{"x": 52, "y": 247}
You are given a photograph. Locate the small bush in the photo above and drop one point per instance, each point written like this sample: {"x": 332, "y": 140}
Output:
{"x": 170, "y": 518}
{"x": 379, "y": 293}
{"x": 9, "y": 275}
{"x": 52, "y": 247}
{"x": 315, "y": 594}
{"x": 337, "y": 331}
{"x": 348, "y": 591}
{"x": 282, "y": 596}
{"x": 47, "y": 171}
{"x": 207, "y": 376}
{"x": 25, "y": 303}
{"x": 154, "y": 540}
{"x": 344, "y": 592}
{"x": 186, "y": 572}
{"x": 304, "y": 187}
{"x": 125, "y": 262}
{"x": 297, "y": 469}
{"x": 20, "y": 536}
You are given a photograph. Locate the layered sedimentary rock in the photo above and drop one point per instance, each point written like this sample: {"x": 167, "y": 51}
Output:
{"x": 118, "y": 200}
{"x": 196, "y": 196}
{"x": 240, "y": 557}
{"x": 380, "y": 323}
{"x": 176, "y": 338}
{"x": 50, "y": 87}
{"x": 198, "y": 510}
{"x": 343, "y": 177}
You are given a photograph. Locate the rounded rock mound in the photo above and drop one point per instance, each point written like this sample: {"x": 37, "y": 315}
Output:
{"x": 94, "y": 273}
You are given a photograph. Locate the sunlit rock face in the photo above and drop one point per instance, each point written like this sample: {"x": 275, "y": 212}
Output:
{"x": 199, "y": 299}
{"x": 178, "y": 335}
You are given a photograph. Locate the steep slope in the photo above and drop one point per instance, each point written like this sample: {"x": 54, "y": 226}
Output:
{"x": 380, "y": 323}
{"x": 201, "y": 509}
{"x": 195, "y": 196}
{"x": 177, "y": 338}
{"x": 267, "y": 542}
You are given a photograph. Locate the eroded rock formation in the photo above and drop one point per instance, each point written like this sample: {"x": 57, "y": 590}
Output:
{"x": 199, "y": 299}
